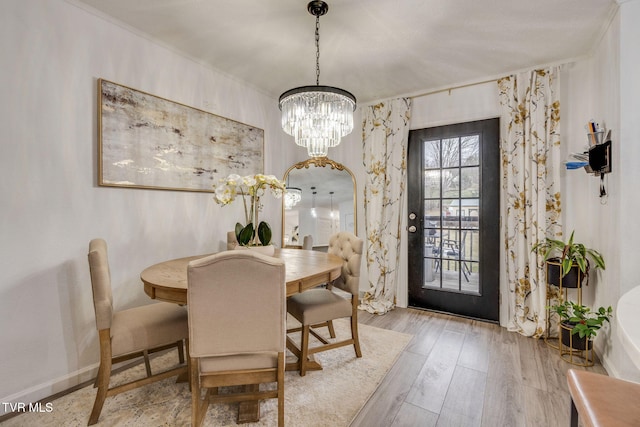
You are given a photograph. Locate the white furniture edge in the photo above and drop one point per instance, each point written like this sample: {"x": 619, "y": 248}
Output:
{"x": 628, "y": 315}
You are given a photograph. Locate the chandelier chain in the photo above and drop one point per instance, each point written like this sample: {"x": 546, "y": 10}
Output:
{"x": 318, "y": 50}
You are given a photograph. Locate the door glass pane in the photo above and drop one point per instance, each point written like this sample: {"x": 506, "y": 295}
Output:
{"x": 450, "y": 182}
{"x": 470, "y": 211}
{"x": 470, "y": 150}
{"x": 468, "y": 207}
{"x": 471, "y": 246}
{"x": 451, "y": 212}
{"x": 470, "y": 182}
{"x": 432, "y": 154}
{"x": 432, "y": 213}
{"x": 450, "y": 152}
{"x": 432, "y": 183}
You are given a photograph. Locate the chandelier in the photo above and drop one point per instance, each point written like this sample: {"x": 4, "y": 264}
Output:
{"x": 292, "y": 197}
{"x": 317, "y": 116}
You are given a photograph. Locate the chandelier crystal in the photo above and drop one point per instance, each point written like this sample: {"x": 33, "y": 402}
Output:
{"x": 317, "y": 116}
{"x": 292, "y": 197}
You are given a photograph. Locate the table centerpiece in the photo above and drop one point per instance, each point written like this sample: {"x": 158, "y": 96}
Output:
{"x": 251, "y": 187}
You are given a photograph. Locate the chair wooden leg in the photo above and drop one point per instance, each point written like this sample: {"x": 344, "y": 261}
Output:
{"x": 104, "y": 374}
{"x": 186, "y": 344}
{"x": 281, "y": 366}
{"x": 195, "y": 391}
{"x": 354, "y": 335}
{"x": 332, "y": 332}
{"x": 147, "y": 364}
{"x": 305, "y": 350}
{"x": 181, "y": 351}
{"x": 103, "y": 387}
{"x": 198, "y": 405}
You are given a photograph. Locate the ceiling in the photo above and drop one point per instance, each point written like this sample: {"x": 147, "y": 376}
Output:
{"x": 376, "y": 49}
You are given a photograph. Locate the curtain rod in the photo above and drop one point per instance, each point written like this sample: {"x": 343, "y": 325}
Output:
{"x": 488, "y": 80}
{"x": 434, "y": 91}
{"x": 449, "y": 89}
{"x": 498, "y": 77}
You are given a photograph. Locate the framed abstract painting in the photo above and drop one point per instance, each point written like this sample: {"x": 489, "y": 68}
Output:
{"x": 150, "y": 142}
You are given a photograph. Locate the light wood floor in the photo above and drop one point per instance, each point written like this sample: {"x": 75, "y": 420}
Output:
{"x": 461, "y": 372}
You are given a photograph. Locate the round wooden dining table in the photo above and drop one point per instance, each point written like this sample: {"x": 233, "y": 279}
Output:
{"x": 167, "y": 280}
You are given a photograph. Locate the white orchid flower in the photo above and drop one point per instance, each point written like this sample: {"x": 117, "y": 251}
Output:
{"x": 249, "y": 180}
{"x": 233, "y": 179}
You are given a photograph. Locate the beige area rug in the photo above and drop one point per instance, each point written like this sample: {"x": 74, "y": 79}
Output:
{"x": 331, "y": 397}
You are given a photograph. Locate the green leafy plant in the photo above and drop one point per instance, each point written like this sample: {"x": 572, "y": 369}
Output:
{"x": 251, "y": 188}
{"x": 586, "y": 322}
{"x": 569, "y": 253}
{"x": 244, "y": 234}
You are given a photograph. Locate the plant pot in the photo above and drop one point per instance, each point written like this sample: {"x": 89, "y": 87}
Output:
{"x": 269, "y": 250}
{"x": 573, "y": 279}
{"x": 573, "y": 341}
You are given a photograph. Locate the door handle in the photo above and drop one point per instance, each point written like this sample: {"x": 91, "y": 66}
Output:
{"x": 412, "y": 229}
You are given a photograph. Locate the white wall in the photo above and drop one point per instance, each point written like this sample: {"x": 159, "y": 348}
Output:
{"x": 51, "y": 55}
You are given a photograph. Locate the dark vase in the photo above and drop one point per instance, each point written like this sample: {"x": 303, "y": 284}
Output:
{"x": 573, "y": 341}
{"x": 554, "y": 274}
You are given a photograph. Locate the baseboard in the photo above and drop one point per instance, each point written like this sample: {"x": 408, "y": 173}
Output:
{"x": 605, "y": 360}
{"x": 609, "y": 367}
{"x": 50, "y": 388}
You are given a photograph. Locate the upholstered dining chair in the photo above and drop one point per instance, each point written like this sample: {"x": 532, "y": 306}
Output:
{"x": 236, "y": 328}
{"x": 131, "y": 333}
{"x": 307, "y": 242}
{"x": 316, "y": 308}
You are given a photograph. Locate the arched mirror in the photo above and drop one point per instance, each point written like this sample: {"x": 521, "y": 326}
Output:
{"x": 320, "y": 201}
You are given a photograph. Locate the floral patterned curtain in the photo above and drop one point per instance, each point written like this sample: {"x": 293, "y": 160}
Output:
{"x": 530, "y": 146}
{"x": 385, "y": 130}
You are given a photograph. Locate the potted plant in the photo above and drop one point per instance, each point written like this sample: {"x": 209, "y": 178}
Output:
{"x": 567, "y": 262}
{"x": 579, "y": 324}
{"x": 251, "y": 188}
